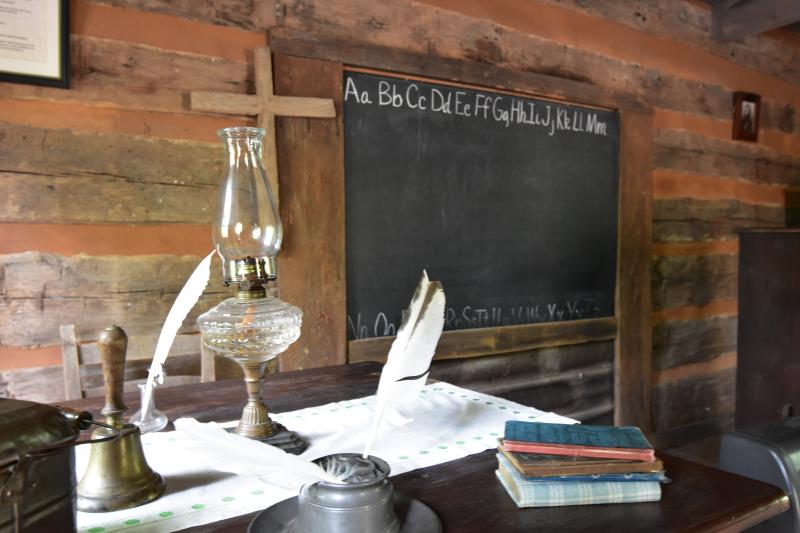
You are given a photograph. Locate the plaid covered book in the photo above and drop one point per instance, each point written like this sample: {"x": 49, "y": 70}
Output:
{"x": 544, "y": 493}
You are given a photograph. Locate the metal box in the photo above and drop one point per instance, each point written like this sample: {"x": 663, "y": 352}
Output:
{"x": 37, "y": 466}
{"x": 768, "y": 452}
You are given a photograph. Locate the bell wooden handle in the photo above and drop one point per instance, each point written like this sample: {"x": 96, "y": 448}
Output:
{"x": 113, "y": 344}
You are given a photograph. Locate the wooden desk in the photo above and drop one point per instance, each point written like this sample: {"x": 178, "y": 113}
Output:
{"x": 465, "y": 493}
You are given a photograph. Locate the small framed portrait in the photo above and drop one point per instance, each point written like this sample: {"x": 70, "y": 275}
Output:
{"x": 34, "y": 42}
{"x": 746, "y": 112}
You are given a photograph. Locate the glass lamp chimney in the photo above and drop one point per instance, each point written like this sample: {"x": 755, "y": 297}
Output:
{"x": 247, "y": 228}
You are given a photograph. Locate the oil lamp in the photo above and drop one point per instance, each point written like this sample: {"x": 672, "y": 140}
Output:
{"x": 255, "y": 326}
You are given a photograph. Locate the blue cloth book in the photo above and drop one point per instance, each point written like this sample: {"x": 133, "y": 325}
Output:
{"x": 576, "y": 435}
{"x": 527, "y": 493}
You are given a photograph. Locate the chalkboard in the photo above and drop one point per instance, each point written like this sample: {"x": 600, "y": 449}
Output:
{"x": 509, "y": 201}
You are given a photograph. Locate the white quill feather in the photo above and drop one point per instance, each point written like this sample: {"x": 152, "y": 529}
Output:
{"x": 228, "y": 452}
{"x": 409, "y": 360}
{"x": 186, "y": 299}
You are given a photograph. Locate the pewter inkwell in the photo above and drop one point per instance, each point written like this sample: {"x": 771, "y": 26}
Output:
{"x": 364, "y": 502}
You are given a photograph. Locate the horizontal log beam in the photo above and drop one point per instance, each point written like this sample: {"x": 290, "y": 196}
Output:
{"x": 490, "y": 341}
{"x": 737, "y": 20}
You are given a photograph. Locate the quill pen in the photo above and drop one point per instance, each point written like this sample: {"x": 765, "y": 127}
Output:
{"x": 409, "y": 360}
{"x": 228, "y": 452}
{"x": 186, "y": 299}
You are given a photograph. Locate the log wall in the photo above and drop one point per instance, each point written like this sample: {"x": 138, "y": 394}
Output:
{"x": 107, "y": 188}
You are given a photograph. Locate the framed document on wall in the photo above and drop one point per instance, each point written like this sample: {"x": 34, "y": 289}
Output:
{"x": 34, "y": 42}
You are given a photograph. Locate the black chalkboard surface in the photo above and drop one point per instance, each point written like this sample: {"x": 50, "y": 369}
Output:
{"x": 510, "y": 202}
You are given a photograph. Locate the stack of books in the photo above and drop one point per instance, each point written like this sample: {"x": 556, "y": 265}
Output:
{"x": 546, "y": 465}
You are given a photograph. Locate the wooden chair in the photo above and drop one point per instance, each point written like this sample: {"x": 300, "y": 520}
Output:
{"x": 189, "y": 361}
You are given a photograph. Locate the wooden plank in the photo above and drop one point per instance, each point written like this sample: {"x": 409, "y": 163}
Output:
{"x": 237, "y": 13}
{"x": 97, "y": 199}
{"x": 689, "y": 22}
{"x": 46, "y": 384}
{"x": 141, "y": 346}
{"x": 127, "y": 75}
{"x": 633, "y": 346}
{"x": 776, "y": 141}
{"x": 457, "y": 70}
{"x": 490, "y": 341}
{"x": 572, "y": 378}
{"x": 70, "y": 364}
{"x": 312, "y": 262}
{"x": 706, "y": 158}
{"x": 405, "y": 27}
{"x": 106, "y": 239}
{"x": 702, "y": 398}
{"x": 229, "y": 103}
{"x": 606, "y": 37}
{"x": 691, "y": 220}
{"x": 35, "y": 321}
{"x": 731, "y": 21}
{"x": 668, "y": 184}
{"x": 720, "y": 247}
{"x": 693, "y": 280}
{"x": 677, "y": 343}
{"x": 116, "y": 120}
{"x": 697, "y": 312}
{"x": 165, "y": 26}
{"x": 65, "y": 176}
{"x": 678, "y": 373}
{"x": 64, "y": 152}
{"x": 31, "y": 275}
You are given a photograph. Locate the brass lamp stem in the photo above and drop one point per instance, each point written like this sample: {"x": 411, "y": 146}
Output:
{"x": 255, "y": 422}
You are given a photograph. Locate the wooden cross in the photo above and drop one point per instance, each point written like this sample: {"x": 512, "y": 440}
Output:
{"x": 267, "y": 105}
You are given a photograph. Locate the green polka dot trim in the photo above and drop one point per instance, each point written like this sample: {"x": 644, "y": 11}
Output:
{"x": 459, "y": 442}
{"x": 516, "y": 412}
{"x": 132, "y": 522}
{"x": 478, "y": 437}
{"x": 442, "y": 447}
{"x": 403, "y": 457}
{"x": 97, "y": 530}
{"x": 423, "y": 452}
{"x": 257, "y": 492}
{"x": 503, "y": 407}
{"x": 228, "y": 499}
{"x": 198, "y": 506}
{"x": 489, "y": 403}
{"x": 424, "y": 392}
{"x": 165, "y": 514}
{"x": 493, "y": 434}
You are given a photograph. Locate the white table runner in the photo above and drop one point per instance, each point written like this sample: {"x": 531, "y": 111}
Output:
{"x": 449, "y": 423}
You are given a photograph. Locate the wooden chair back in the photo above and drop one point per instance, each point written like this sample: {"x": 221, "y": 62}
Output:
{"x": 188, "y": 362}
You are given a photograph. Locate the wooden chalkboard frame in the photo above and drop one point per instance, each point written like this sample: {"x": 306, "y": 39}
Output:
{"x": 311, "y": 158}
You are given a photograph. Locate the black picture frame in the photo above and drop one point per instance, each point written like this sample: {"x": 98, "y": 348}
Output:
{"x": 746, "y": 115}
{"x": 62, "y": 81}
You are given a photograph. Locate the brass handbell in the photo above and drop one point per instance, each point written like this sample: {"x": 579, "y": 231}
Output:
{"x": 118, "y": 476}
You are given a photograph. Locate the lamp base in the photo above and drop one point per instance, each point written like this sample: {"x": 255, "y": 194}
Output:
{"x": 283, "y": 438}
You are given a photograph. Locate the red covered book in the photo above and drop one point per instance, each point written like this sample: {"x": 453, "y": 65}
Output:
{"x": 571, "y": 450}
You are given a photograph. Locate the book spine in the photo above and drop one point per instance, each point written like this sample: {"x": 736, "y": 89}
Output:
{"x": 580, "y": 451}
